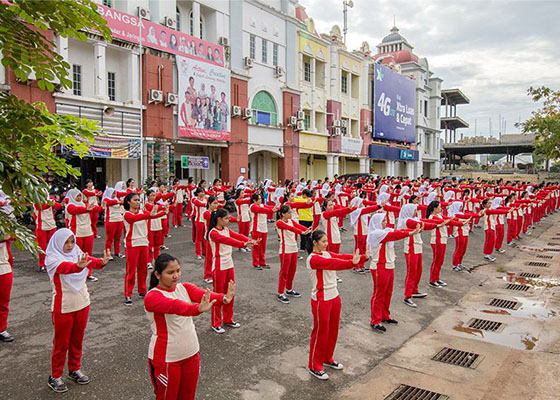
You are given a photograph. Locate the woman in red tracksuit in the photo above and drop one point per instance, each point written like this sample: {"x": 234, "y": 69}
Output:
{"x": 173, "y": 353}
{"x": 359, "y": 219}
{"x": 288, "y": 230}
{"x": 6, "y": 281}
{"x": 489, "y": 222}
{"x": 155, "y": 227}
{"x": 91, "y": 197}
{"x": 382, "y": 252}
{"x": 199, "y": 205}
{"x": 222, "y": 239}
{"x": 461, "y": 234}
{"x": 136, "y": 245}
{"x": 500, "y": 226}
{"x": 177, "y": 207}
{"x": 259, "y": 230}
{"x": 67, "y": 267}
{"x": 244, "y": 219}
{"x": 511, "y": 218}
{"x": 113, "y": 221}
{"x": 325, "y": 301}
{"x": 330, "y": 223}
{"x": 45, "y": 226}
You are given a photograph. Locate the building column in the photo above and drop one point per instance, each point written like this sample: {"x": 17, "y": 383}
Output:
{"x": 336, "y": 165}
{"x": 133, "y": 78}
{"x": 330, "y": 166}
{"x": 196, "y": 19}
{"x": 313, "y": 65}
{"x": 300, "y": 70}
{"x": 349, "y": 88}
{"x": 100, "y": 77}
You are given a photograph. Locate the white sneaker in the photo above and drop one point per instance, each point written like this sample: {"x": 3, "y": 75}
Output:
{"x": 219, "y": 329}
{"x": 150, "y": 265}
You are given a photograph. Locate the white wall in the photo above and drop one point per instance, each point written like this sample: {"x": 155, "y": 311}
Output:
{"x": 117, "y": 62}
{"x": 82, "y": 53}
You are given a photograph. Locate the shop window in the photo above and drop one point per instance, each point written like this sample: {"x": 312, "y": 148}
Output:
{"x": 307, "y": 72}
{"x": 275, "y": 54}
{"x": 344, "y": 83}
{"x": 264, "y": 51}
{"x": 264, "y": 109}
{"x": 77, "y": 80}
{"x": 111, "y": 86}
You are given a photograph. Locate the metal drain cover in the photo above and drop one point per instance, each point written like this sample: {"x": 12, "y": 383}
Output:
{"x": 458, "y": 357}
{"x": 516, "y": 286}
{"x": 507, "y": 304}
{"x": 545, "y": 257}
{"x": 528, "y": 275}
{"x": 553, "y": 244}
{"x": 550, "y": 248}
{"x": 406, "y": 392}
{"x": 485, "y": 325}
{"x": 538, "y": 263}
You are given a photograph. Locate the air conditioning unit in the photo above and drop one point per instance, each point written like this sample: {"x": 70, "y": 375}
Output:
{"x": 224, "y": 41}
{"x": 337, "y": 123}
{"x": 144, "y": 13}
{"x": 155, "y": 96}
{"x": 369, "y": 129}
{"x": 300, "y": 126}
{"x": 236, "y": 111}
{"x": 278, "y": 71}
{"x": 292, "y": 121}
{"x": 300, "y": 115}
{"x": 247, "y": 113}
{"x": 171, "y": 99}
{"x": 336, "y": 131}
{"x": 169, "y": 22}
{"x": 248, "y": 62}
{"x": 344, "y": 123}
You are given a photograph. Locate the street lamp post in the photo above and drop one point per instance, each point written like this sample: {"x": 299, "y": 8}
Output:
{"x": 347, "y": 4}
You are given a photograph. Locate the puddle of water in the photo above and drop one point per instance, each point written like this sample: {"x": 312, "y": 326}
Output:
{"x": 529, "y": 342}
{"x": 538, "y": 283}
{"x": 465, "y": 329}
{"x": 507, "y": 337}
{"x": 501, "y": 312}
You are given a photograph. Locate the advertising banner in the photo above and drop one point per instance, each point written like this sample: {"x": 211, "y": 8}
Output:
{"x": 128, "y": 27}
{"x": 204, "y": 100}
{"x": 352, "y": 145}
{"x": 108, "y": 147}
{"x": 394, "y": 104}
{"x": 195, "y": 162}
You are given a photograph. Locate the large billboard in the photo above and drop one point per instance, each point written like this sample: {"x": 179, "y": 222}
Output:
{"x": 204, "y": 100}
{"x": 394, "y": 102}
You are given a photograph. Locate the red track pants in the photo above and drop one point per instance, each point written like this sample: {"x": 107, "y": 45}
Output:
{"x": 69, "y": 329}
{"x": 413, "y": 274}
{"x": 113, "y": 233}
{"x": 155, "y": 238}
{"x": 244, "y": 227}
{"x": 220, "y": 282}
{"x": 383, "y": 279}
{"x": 461, "y": 243}
{"x": 94, "y": 219}
{"x": 208, "y": 260}
{"x": 511, "y": 228}
{"x": 360, "y": 243}
{"x": 178, "y": 214}
{"x": 438, "y": 256}
{"x": 175, "y": 380}
{"x": 199, "y": 239}
{"x": 326, "y": 318}
{"x": 334, "y": 247}
{"x": 136, "y": 262}
{"x": 288, "y": 265}
{"x": 489, "y": 242}
{"x": 86, "y": 245}
{"x": 165, "y": 226}
{"x": 499, "y": 236}
{"x": 259, "y": 249}
{"x": 43, "y": 238}
{"x": 6, "y": 281}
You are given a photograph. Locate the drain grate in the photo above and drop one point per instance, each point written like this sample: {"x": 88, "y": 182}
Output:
{"x": 458, "y": 357}
{"x": 518, "y": 287}
{"x": 553, "y": 244}
{"x": 406, "y": 392}
{"x": 545, "y": 257}
{"x": 550, "y": 248}
{"x": 529, "y": 275}
{"x": 538, "y": 264}
{"x": 485, "y": 325}
{"x": 507, "y": 304}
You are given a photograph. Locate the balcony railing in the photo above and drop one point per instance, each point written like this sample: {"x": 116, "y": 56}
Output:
{"x": 120, "y": 123}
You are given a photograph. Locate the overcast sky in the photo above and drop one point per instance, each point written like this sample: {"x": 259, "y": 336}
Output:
{"x": 492, "y": 50}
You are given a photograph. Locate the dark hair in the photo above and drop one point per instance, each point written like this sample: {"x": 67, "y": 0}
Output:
{"x": 190, "y": 180}
{"x": 362, "y": 195}
{"x": 255, "y": 197}
{"x": 484, "y": 202}
{"x": 88, "y": 181}
{"x": 412, "y": 198}
{"x": 159, "y": 266}
{"x": 198, "y": 190}
{"x": 315, "y": 237}
{"x": 283, "y": 210}
{"x": 219, "y": 213}
{"x": 307, "y": 192}
{"x": 126, "y": 201}
{"x": 128, "y": 182}
{"x": 201, "y": 182}
{"x": 507, "y": 199}
{"x": 324, "y": 205}
{"x": 211, "y": 199}
{"x": 431, "y": 207}
{"x": 175, "y": 181}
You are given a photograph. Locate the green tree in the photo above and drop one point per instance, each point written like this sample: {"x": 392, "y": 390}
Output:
{"x": 544, "y": 122}
{"x": 29, "y": 133}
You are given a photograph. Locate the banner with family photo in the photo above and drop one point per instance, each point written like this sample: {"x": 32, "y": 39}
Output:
{"x": 204, "y": 100}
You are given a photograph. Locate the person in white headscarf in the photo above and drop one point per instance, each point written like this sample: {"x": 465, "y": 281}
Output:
{"x": 120, "y": 189}
{"x": 5, "y": 206}
{"x": 403, "y": 195}
{"x": 460, "y": 233}
{"x": 391, "y": 211}
{"x": 114, "y": 224}
{"x": 359, "y": 218}
{"x": 380, "y": 242}
{"x": 67, "y": 268}
{"x": 325, "y": 189}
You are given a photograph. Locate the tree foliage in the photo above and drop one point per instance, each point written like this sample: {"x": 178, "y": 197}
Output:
{"x": 29, "y": 133}
{"x": 544, "y": 122}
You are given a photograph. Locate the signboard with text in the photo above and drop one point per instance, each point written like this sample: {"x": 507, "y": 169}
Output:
{"x": 195, "y": 162}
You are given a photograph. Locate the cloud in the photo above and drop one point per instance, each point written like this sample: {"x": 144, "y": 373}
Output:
{"x": 492, "y": 50}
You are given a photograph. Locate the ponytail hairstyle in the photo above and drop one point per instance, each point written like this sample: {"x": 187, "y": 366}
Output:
{"x": 126, "y": 201}
{"x": 128, "y": 182}
{"x": 283, "y": 210}
{"x": 484, "y": 202}
{"x": 314, "y": 237}
{"x": 255, "y": 197}
{"x": 324, "y": 205}
{"x": 507, "y": 200}
{"x": 238, "y": 193}
{"x": 431, "y": 207}
{"x": 211, "y": 199}
{"x": 190, "y": 180}
{"x": 175, "y": 181}
{"x": 412, "y": 198}
{"x": 159, "y": 266}
{"x": 201, "y": 182}
{"x": 198, "y": 190}
{"x": 219, "y": 213}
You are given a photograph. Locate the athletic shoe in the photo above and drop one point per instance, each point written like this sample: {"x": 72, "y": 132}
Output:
{"x": 457, "y": 268}
{"x": 419, "y": 295}
{"x": 258, "y": 268}
{"x": 6, "y": 337}
{"x": 489, "y": 258}
{"x": 434, "y": 285}
{"x": 410, "y": 303}
{"x": 390, "y": 321}
{"x": 121, "y": 255}
{"x": 358, "y": 271}
{"x": 338, "y": 280}
{"x": 128, "y": 301}
{"x": 367, "y": 269}
{"x": 57, "y": 385}
{"x": 462, "y": 266}
{"x": 208, "y": 280}
{"x": 78, "y": 377}
{"x": 111, "y": 258}
{"x": 150, "y": 265}
{"x": 379, "y": 328}
{"x": 322, "y": 375}
{"x": 452, "y": 236}
{"x": 97, "y": 236}
{"x": 510, "y": 244}
{"x": 42, "y": 269}
{"x": 168, "y": 236}
{"x": 293, "y": 293}
{"x": 163, "y": 247}
{"x": 92, "y": 279}
{"x": 501, "y": 251}
{"x": 199, "y": 257}
{"x": 300, "y": 258}
{"x": 282, "y": 298}
{"x": 218, "y": 329}
{"x": 334, "y": 365}
{"x": 528, "y": 233}
{"x": 266, "y": 266}
{"x": 141, "y": 295}
{"x": 441, "y": 283}
{"x": 233, "y": 324}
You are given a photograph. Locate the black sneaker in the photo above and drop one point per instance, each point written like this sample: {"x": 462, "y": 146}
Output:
{"x": 457, "y": 268}
{"x": 434, "y": 285}
{"x": 219, "y": 329}
{"x": 6, "y": 337}
{"x": 266, "y": 266}
{"x": 141, "y": 295}
{"x": 128, "y": 301}
{"x": 441, "y": 283}
{"x": 322, "y": 375}
{"x": 410, "y": 303}
{"x": 258, "y": 268}
{"x": 92, "y": 279}
{"x": 334, "y": 365}
{"x": 57, "y": 385}
{"x": 293, "y": 293}
{"x": 390, "y": 321}
{"x": 42, "y": 269}
{"x": 78, "y": 377}
{"x": 282, "y": 298}
{"x": 419, "y": 295}
{"x": 379, "y": 328}
{"x": 232, "y": 324}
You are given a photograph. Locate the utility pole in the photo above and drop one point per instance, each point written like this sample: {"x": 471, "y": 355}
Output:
{"x": 347, "y": 4}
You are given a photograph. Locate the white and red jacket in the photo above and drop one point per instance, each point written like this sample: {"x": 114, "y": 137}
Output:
{"x": 44, "y": 215}
{"x": 136, "y": 227}
{"x": 155, "y": 224}
{"x": 221, "y": 242}
{"x": 199, "y": 206}
{"x": 330, "y": 223}
{"x": 261, "y": 214}
{"x": 414, "y": 244}
{"x": 288, "y": 231}
{"x": 361, "y": 227}
{"x": 179, "y": 191}
{"x": 384, "y": 254}
{"x": 5, "y": 257}
{"x": 91, "y": 196}
{"x": 170, "y": 314}
{"x": 80, "y": 219}
{"x": 243, "y": 209}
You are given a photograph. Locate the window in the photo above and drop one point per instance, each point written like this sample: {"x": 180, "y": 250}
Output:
{"x": 252, "y": 46}
{"x": 307, "y": 121}
{"x": 77, "y": 79}
{"x": 275, "y": 54}
{"x": 178, "y": 18}
{"x": 264, "y": 109}
{"x": 426, "y": 108}
{"x": 307, "y": 72}
{"x": 111, "y": 86}
{"x": 264, "y": 51}
{"x": 107, "y": 3}
{"x": 344, "y": 83}
{"x": 191, "y": 25}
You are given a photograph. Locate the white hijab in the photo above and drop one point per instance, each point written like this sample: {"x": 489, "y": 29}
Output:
{"x": 239, "y": 181}
{"x": 404, "y": 191}
{"x": 383, "y": 188}
{"x": 325, "y": 189}
{"x": 119, "y": 186}
{"x": 376, "y": 233}
{"x": 6, "y": 208}
{"x": 496, "y": 202}
{"x": 448, "y": 195}
{"x": 383, "y": 197}
{"x": 108, "y": 193}
{"x": 454, "y": 208}
{"x": 71, "y": 195}
{"x": 408, "y": 211}
{"x": 56, "y": 256}
{"x": 337, "y": 189}
{"x": 267, "y": 183}
{"x": 431, "y": 197}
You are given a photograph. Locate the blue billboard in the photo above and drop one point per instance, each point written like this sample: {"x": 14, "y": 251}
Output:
{"x": 394, "y": 102}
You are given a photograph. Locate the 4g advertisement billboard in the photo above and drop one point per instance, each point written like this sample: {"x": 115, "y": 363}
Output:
{"x": 394, "y": 102}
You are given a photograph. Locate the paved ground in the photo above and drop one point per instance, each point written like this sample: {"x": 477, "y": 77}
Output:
{"x": 264, "y": 359}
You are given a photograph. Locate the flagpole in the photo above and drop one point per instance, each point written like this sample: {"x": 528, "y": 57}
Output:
{"x": 141, "y": 109}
